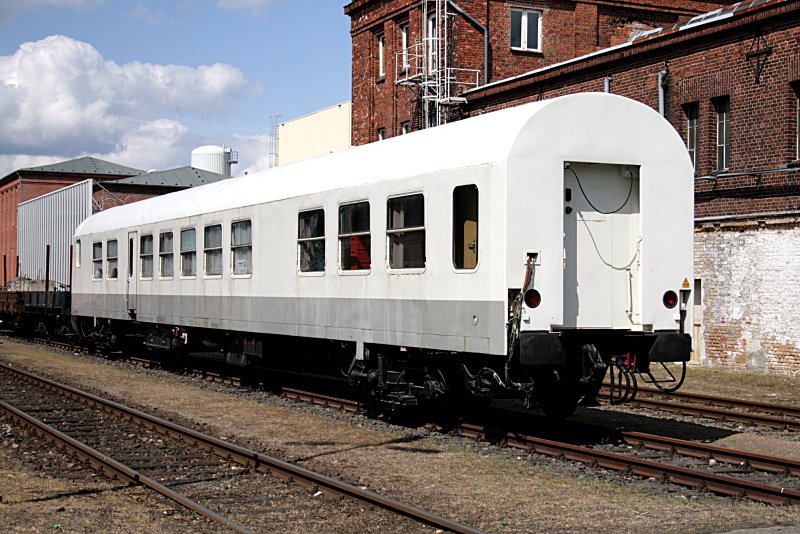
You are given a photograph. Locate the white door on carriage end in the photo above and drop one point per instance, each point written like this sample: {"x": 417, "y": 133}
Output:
{"x": 602, "y": 245}
{"x": 131, "y": 270}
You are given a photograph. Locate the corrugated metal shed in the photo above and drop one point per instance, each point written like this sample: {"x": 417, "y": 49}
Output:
{"x": 180, "y": 177}
{"x": 51, "y": 219}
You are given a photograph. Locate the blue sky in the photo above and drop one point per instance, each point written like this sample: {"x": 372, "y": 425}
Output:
{"x": 141, "y": 83}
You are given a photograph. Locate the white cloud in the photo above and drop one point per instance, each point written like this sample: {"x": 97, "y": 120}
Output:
{"x": 60, "y": 98}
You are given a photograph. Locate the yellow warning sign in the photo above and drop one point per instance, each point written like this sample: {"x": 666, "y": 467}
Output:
{"x": 685, "y": 284}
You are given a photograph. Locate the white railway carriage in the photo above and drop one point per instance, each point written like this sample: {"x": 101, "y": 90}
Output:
{"x": 522, "y": 250}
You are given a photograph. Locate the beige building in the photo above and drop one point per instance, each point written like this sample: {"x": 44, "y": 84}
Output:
{"x": 315, "y": 134}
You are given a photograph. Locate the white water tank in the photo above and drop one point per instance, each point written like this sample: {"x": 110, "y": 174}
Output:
{"x": 214, "y": 158}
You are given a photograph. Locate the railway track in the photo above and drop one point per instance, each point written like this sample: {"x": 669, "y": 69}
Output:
{"x": 131, "y": 446}
{"x": 633, "y": 464}
{"x": 777, "y": 416}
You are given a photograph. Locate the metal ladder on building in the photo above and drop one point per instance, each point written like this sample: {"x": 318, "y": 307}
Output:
{"x": 425, "y": 65}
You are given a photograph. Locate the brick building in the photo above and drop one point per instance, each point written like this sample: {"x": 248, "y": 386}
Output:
{"x": 26, "y": 184}
{"x": 729, "y": 82}
{"x": 474, "y": 42}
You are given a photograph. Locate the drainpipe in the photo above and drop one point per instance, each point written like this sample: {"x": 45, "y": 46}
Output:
{"x": 485, "y": 31}
{"x": 607, "y": 84}
{"x": 662, "y": 77}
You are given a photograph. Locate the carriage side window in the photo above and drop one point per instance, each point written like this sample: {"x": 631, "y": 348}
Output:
{"x": 188, "y": 252}
{"x": 212, "y": 250}
{"x": 146, "y": 255}
{"x": 78, "y": 253}
{"x": 97, "y": 260}
{"x": 354, "y": 237}
{"x": 311, "y": 241}
{"x": 112, "y": 258}
{"x": 465, "y": 227}
{"x": 405, "y": 232}
{"x": 242, "y": 247}
{"x": 165, "y": 255}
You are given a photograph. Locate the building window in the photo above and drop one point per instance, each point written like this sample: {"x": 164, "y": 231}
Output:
{"x": 405, "y": 232}
{"x": 723, "y": 108}
{"x": 381, "y": 134}
{"x": 97, "y": 261}
{"x": 432, "y": 44}
{"x": 165, "y": 255}
{"x": 405, "y": 127}
{"x": 692, "y": 112}
{"x": 526, "y": 29}
{"x": 242, "y": 247}
{"x": 381, "y": 55}
{"x": 212, "y": 250}
{"x": 354, "y": 237}
{"x": 146, "y": 255}
{"x": 404, "y": 35}
{"x": 188, "y": 252}
{"x": 112, "y": 258}
{"x": 465, "y": 227}
{"x": 311, "y": 241}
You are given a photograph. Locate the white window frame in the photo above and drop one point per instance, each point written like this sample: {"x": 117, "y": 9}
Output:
{"x": 405, "y": 127}
{"x": 343, "y": 236}
{"x": 77, "y": 252}
{"x": 524, "y": 44}
{"x": 404, "y": 37}
{"x": 722, "y": 107}
{"x": 207, "y": 250}
{"x": 97, "y": 259}
{"x": 241, "y": 246}
{"x": 162, "y": 254}
{"x": 692, "y": 131}
{"x": 381, "y": 134}
{"x": 187, "y": 252}
{"x": 321, "y": 238}
{"x": 145, "y": 256}
{"x": 110, "y": 258}
{"x": 381, "y": 55}
{"x": 432, "y": 45}
{"x": 406, "y": 229}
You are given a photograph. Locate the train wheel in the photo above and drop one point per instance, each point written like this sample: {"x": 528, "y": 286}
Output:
{"x": 556, "y": 392}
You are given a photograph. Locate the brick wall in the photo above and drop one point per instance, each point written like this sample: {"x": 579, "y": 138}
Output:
{"x": 751, "y": 289}
{"x": 569, "y": 29}
{"x": 105, "y": 199}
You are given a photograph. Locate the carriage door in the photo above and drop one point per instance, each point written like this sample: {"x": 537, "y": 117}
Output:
{"x": 601, "y": 246}
{"x": 130, "y": 276}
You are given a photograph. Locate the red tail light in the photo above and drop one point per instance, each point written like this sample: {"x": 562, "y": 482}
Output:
{"x": 670, "y": 299}
{"x": 532, "y": 298}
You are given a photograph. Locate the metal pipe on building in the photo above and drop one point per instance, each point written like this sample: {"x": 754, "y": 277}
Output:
{"x": 607, "y": 84}
{"x": 662, "y": 76}
{"x": 485, "y": 38}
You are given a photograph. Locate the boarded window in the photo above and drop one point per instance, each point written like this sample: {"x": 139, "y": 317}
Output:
{"x": 242, "y": 247}
{"x": 405, "y": 231}
{"x": 465, "y": 227}
{"x": 212, "y": 249}
{"x": 354, "y": 237}
{"x": 166, "y": 255}
{"x": 188, "y": 252}
{"x": 311, "y": 241}
{"x": 112, "y": 260}
{"x": 97, "y": 260}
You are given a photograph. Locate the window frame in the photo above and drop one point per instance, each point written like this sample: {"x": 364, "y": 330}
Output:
{"x": 143, "y": 256}
{"x": 432, "y": 52}
{"x": 235, "y": 247}
{"x": 77, "y": 253}
{"x": 523, "y": 37}
{"x": 381, "y": 40}
{"x": 217, "y": 249}
{"x": 301, "y": 240}
{"x": 162, "y": 255}
{"x": 340, "y": 236}
{"x": 405, "y": 127}
{"x": 188, "y": 251}
{"x": 466, "y": 270}
{"x": 394, "y": 231}
{"x": 722, "y": 110}
{"x": 381, "y": 134}
{"x": 97, "y": 259}
{"x": 405, "y": 39}
{"x": 691, "y": 112}
{"x": 110, "y": 258}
